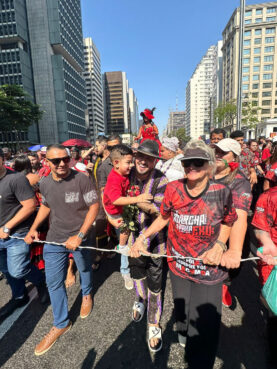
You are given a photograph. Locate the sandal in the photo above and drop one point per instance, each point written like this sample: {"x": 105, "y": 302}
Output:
{"x": 155, "y": 332}
{"x": 140, "y": 308}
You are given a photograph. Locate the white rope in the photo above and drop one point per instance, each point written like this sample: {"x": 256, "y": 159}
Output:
{"x": 127, "y": 249}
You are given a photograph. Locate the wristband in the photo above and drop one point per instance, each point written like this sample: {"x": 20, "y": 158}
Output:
{"x": 222, "y": 245}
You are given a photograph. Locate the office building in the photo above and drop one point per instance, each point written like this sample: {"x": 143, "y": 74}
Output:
{"x": 94, "y": 89}
{"x": 42, "y": 50}
{"x": 117, "y": 112}
{"x": 134, "y": 115}
{"x": 198, "y": 96}
{"x": 216, "y": 96}
{"x": 259, "y": 69}
{"x": 176, "y": 120}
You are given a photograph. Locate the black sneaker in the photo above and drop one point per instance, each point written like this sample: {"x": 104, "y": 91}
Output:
{"x": 12, "y": 305}
{"x": 43, "y": 294}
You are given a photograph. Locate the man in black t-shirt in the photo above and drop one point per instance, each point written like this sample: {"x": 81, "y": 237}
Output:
{"x": 70, "y": 200}
{"x": 17, "y": 204}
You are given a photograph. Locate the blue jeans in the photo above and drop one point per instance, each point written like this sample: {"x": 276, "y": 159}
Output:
{"x": 56, "y": 264}
{"x": 16, "y": 265}
{"x": 124, "y": 263}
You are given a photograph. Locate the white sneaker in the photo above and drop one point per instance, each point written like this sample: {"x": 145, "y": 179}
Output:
{"x": 129, "y": 284}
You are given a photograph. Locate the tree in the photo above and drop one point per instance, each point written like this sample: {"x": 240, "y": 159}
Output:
{"x": 219, "y": 114}
{"x": 225, "y": 112}
{"x": 17, "y": 111}
{"x": 250, "y": 114}
{"x": 180, "y": 133}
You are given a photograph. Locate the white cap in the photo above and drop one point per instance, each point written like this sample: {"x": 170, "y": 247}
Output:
{"x": 228, "y": 144}
{"x": 43, "y": 149}
{"x": 274, "y": 139}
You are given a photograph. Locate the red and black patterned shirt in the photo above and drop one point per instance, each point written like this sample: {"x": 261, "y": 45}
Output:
{"x": 246, "y": 161}
{"x": 265, "y": 216}
{"x": 194, "y": 227}
{"x": 241, "y": 191}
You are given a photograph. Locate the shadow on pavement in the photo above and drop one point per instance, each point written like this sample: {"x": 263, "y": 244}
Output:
{"x": 239, "y": 344}
{"x": 89, "y": 360}
{"x": 21, "y": 330}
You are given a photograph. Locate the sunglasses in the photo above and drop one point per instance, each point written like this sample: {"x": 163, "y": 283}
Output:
{"x": 57, "y": 161}
{"x": 198, "y": 163}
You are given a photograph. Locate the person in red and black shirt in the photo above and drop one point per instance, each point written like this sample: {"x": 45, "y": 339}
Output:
{"x": 227, "y": 153}
{"x": 200, "y": 214}
{"x": 265, "y": 223}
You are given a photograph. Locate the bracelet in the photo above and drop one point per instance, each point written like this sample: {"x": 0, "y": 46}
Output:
{"x": 142, "y": 235}
{"x": 222, "y": 245}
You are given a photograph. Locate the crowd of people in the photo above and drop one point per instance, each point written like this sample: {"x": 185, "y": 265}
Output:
{"x": 196, "y": 202}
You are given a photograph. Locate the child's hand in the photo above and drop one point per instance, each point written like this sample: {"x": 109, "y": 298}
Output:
{"x": 144, "y": 197}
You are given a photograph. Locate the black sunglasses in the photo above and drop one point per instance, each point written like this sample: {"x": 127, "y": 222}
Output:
{"x": 198, "y": 163}
{"x": 57, "y": 161}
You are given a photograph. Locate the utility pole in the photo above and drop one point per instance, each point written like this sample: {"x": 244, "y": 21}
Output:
{"x": 239, "y": 92}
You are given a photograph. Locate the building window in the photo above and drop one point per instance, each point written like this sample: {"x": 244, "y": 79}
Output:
{"x": 245, "y": 87}
{"x": 267, "y": 85}
{"x": 255, "y": 86}
{"x": 245, "y": 61}
{"x": 245, "y": 70}
{"x": 271, "y": 10}
{"x": 269, "y": 30}
{"x": 265, "y": 111}
{"x": 255, "y": 94}
{"x": 245, "y": 78}
{"x": 257, "y": 41}
{"x": 258, "y": 20}
{"x": 248, "y": 13}
{"x": 256, "y": 68}
{"x": 266, "y": 102}
{"x": 269, "y": 40}
{"x": 268, "y": 58}
{"x": 259, "y": 11}
{"x": 258, "y": 32}
{"x": 247, "y": 33}
{"x": 268, "y": 67}
{"x": 248, "y": 21}
{"x": 255, "y": 77}
{"x": 257, "y": 50}
{"x": 269, "y": 49}
{"x": 267, "y": 76}
{"x": 257, "y": 59}
{"x": 270, "y": 19}
{"x": 266, "y": 93}
{"x": 246, "y": 42}
{"x": 246, "y": 51}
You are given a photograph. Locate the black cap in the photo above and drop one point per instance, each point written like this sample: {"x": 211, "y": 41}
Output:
{"x": 150, "y": 148}
{"x": 196, "y": 153}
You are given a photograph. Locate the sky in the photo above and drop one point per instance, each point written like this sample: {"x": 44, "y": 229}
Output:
{"x": 158, "y": 43}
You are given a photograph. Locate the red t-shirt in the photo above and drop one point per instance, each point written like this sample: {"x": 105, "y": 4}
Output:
{"x": 266, "y": 154}
{"x": 265, "y": 217}
{"x": 194, "y": 227}
{"x": 116, "y": 187}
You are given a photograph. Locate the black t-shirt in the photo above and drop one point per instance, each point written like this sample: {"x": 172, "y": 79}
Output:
{"x": 69, "y": 201}
{"x": 14, "y": 188}
{"x": 103, "y": 172}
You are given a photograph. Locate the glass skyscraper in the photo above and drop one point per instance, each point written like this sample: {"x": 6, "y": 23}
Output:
{"x": 41, "y": 45}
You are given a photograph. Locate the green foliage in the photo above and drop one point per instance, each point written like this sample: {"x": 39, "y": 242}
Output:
{"x": 180, "y": 133}
{"x": 250, "y": 114}
{"x": 225, "y": 112}
{"x": 17, "y": 112}
{"x": 130, "y": 218}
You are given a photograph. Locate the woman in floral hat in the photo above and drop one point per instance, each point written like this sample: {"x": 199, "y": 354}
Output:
{"x": 148, "y": 131}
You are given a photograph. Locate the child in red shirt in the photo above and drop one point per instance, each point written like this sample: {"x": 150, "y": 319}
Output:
{"x": 115, "y": 192}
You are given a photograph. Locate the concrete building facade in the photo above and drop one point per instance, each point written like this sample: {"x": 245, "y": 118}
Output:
{"x": 216, "y": 96}
{"x": 134, "y": 115}
{"x": 176, "y": 120}
{"x": 198, "y": 96}
{"x": 94, "y": 90}
{"x": 46, "y": 39}
{"x": 259, "y": 69}
{"x": 117, "y": 113}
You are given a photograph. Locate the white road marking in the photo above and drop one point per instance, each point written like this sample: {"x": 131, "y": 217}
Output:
{"x": 8, "y": 322}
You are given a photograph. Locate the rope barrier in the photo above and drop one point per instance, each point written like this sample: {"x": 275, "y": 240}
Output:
{"x": 127, "y": 253}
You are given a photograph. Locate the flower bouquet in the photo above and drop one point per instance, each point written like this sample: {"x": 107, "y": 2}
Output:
{"x": 130, "y": 212}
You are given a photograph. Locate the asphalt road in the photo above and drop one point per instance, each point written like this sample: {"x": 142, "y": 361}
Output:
{"x": 109, "y": 339}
